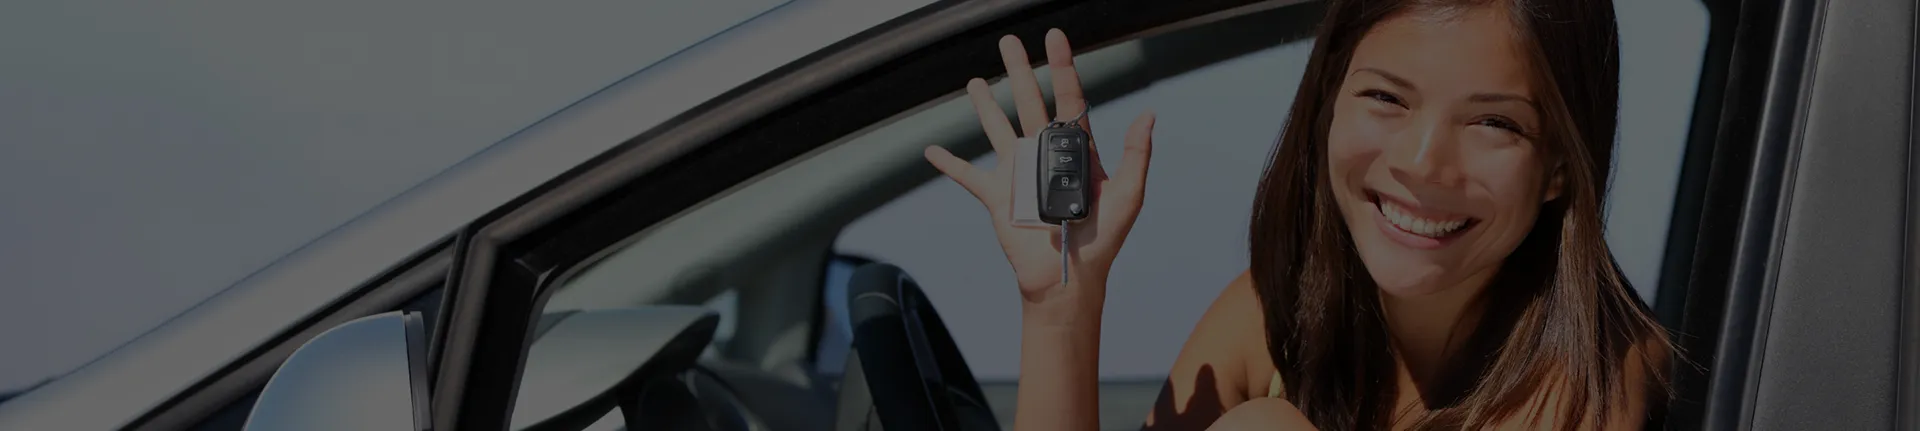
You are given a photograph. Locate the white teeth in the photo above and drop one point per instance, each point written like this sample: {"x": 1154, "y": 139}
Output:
{"x": 1416, "y": 225}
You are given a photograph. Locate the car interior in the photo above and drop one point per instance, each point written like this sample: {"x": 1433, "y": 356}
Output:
{"x": 764, "y": 256}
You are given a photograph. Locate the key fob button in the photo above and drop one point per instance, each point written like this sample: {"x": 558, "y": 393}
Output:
{"x": 1064, "y": 182}
{"x": 1061, "y": 143}
{"x": 1065, "y": 161}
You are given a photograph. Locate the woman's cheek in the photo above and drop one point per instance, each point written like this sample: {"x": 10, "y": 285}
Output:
{"x": 1511, "y": 173}
{"x": 1354, "y": 135}
{"x": 1512, "y": 178}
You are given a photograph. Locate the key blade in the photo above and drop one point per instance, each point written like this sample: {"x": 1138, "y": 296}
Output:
{"x": 1064, "y": 243}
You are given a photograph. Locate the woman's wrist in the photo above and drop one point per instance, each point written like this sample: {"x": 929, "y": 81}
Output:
{"x": 1060, "y": 359}
{"x": 1076, "y": 304}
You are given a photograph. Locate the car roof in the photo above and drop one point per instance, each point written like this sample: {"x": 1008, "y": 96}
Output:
{"x": 274, "y": 286}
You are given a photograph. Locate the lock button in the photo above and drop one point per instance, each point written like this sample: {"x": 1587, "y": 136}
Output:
{"x": 1064, "y": 182}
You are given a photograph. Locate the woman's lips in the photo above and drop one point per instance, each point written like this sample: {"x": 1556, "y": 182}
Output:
{"x": 1424, "y": 230}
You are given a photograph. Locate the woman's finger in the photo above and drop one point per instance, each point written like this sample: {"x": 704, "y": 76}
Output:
{"x": 992, "y": 119}
{"x": 968, "y": 176}
{"x": 1138, "y": 154}
{"x": 1026, "y": 88}
{"x": 1068, "y": 99}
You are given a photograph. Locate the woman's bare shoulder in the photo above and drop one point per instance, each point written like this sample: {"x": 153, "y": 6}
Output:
{"x": 1222, "y": 364}
{"x": 1234, "y": 328}
{"x": 1239, "y": 311}
{"x": 1242, "y": 310}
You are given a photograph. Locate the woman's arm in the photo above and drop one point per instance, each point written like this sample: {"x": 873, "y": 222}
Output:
{"x": 1218, "y": 382}
{"x": 1223, "y": 364}
{"x": 1060, "y": 361}
{"x": 1263, "y": 414}
{"x": 1060, "y": 336}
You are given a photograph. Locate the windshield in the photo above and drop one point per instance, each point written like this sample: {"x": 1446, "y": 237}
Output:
{"x": 155, "y": 155}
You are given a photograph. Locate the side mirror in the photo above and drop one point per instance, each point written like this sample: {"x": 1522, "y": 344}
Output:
{"x": 370, "y": 373}
{"x": 366, "y": 374}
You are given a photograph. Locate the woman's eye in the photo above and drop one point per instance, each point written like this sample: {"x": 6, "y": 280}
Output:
{"x": 1501, "y": 123}
{"x": 1381, "y": 96}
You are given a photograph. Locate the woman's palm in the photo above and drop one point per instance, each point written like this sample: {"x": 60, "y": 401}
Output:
{"x": 1035, "y": 253}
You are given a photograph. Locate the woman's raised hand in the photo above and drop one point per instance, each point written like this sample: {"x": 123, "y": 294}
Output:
{"x": 1034, "y": 252}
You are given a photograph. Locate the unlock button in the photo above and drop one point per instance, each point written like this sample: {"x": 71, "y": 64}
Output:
{"x": 1064, "y": 161}
{"x": 1064, "y": 182}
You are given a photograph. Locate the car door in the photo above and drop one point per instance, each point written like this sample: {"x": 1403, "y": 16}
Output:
{"x": 1794, "y": 312}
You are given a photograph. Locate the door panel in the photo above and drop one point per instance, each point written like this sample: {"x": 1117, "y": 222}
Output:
{"x": 1830, "y": 341}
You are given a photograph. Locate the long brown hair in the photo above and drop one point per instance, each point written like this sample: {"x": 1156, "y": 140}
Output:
{"x": 1560, "y": 315}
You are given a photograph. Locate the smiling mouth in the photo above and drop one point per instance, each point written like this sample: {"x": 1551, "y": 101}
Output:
{"x": 1416, "y": 223}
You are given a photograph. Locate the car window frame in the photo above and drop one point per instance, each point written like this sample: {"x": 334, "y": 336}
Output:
{"x": 1738, "y": 169}
{"x": 513, "y": 253}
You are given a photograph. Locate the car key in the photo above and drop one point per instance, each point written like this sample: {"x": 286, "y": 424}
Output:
{"x": 1064, "y": 165}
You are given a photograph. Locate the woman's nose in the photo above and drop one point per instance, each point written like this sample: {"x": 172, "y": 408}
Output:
{"x": 1424, "y": 155}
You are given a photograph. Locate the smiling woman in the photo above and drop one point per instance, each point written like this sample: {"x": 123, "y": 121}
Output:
{"x": 1466, "y": 146}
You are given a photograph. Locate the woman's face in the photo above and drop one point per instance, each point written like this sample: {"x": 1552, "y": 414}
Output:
{"x": 1432, "y": 157}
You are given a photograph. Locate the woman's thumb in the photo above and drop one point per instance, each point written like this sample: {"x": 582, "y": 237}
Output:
{"x": 968, "y": 176}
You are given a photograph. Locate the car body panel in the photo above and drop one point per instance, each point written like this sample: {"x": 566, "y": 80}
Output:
{"x": 113, "y": 390}
{"x": 186, "y": 146}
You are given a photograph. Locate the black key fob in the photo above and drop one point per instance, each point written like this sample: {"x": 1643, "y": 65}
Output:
{"x": 1064, "y": 165}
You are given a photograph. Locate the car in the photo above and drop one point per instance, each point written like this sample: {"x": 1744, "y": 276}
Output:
{"x": 1783, "y": 252}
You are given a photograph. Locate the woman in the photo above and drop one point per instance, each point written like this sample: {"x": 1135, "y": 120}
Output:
{"x": 1427, "y": 245}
